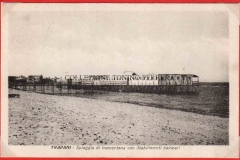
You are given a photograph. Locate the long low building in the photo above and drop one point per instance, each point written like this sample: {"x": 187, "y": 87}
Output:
{"x": 160, "y": 79}
{"x": 164, "y": 83}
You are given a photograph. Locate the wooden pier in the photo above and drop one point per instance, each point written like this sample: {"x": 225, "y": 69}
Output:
{"x": 158, "y": 89}
{"x": 166, "y": 84}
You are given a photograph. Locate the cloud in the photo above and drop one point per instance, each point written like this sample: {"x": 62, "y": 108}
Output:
{"x": 103, "y": 43}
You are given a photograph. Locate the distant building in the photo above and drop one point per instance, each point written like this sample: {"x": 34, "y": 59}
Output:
{"x": 12, "y": 79}
{"x": 35, "y": 78}
{"x": 21, "y": 78}
{"x": 47, "y": 80}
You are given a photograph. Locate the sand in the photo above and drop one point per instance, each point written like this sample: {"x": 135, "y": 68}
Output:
{"x": 39, "y": 119}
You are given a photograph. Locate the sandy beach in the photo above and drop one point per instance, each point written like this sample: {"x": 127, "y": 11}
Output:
{"x": 39, "y": 119}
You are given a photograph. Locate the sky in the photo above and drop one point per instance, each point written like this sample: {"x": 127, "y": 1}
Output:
{"x": 110, "y": 42}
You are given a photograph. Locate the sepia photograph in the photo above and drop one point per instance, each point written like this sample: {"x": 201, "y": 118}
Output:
{"x": 153, "y": 77}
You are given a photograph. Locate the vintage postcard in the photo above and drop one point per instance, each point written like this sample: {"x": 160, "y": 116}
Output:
{"x": 120, "y": 80}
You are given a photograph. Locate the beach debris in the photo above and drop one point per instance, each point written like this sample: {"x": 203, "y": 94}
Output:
{"x": 13, "y": 96}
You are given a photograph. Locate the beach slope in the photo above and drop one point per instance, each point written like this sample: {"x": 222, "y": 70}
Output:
{"x": 39, "y": 119}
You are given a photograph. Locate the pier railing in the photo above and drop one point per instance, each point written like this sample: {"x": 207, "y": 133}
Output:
{"x": 59, "y": 88}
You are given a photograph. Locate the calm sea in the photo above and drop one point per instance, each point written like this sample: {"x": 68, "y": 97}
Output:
{"x": 212, "y": 99}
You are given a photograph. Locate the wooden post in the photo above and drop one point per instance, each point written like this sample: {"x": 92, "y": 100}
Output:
{"x": 53, "y": 88}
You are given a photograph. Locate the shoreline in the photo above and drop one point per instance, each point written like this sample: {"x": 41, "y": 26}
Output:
{"x": 40, "y": 119}
{"x": 131, "y": 96}
{"x": 140, "y": 104}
